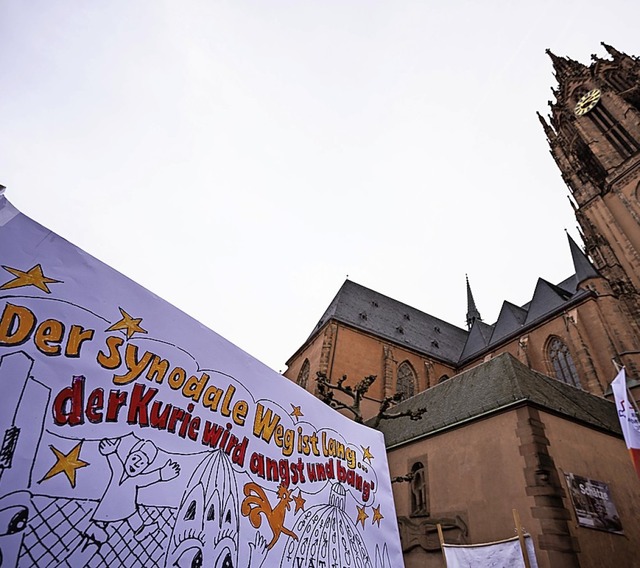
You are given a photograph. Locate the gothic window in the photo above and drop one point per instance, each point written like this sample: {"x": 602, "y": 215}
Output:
{"x": 419, "y": 495}
{"x": 618, "y": 80}
{"x": 443, "y": 378}
{"x": 303, "y": 375}
{"x": 406, "y": 383}
{"x": 562, "y": 362}
{"x": 613, "y": 131}
{"x": 627, "y": 84}
{"x": 587, "y": 160}
{"x": 622, "y": 142}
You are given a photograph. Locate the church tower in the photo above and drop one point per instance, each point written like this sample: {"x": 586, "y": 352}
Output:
{"x": 594, "y": 135}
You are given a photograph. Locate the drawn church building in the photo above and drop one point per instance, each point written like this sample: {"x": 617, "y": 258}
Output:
{"x": 518, "y": 408}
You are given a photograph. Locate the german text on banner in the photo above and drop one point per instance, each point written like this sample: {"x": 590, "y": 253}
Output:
{"x": 628, "y": 418}
{"x": 503, "y": 554}
{"x": 134, "y": 436}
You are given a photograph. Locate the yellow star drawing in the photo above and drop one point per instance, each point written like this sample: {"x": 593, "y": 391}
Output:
{"x": 366, "y": 454}
{"x": 296, "y": 412}
{"x": 362, "y": 516}
{"x": 377, "y": 516}
{"x": 32, "y": 277}
{"x": 300, "y": 501}
{"x": 67, "y": 464}
{"x": 128, "y": 324}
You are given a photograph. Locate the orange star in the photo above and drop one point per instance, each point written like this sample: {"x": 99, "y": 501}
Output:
{"x": 300, "y": 501}
{"x": 366, "y": 454}
{"x": 362, "y": 516}
{"x": 377, "y": 516}
{"x": 67, "y": 464}
{"x": 128, "y": 324}
{"x": 33, "y": 277}
{"x": 296, "y": 412}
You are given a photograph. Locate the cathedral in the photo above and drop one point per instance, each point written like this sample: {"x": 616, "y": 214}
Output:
{"x": 514, "y": 414}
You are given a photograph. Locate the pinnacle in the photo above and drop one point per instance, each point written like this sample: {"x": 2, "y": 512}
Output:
{"x": 547, "y": 127}
{"x": 472, "y": 312}
{"x": 612, "y": 50}
{"x": 564, "y": 66}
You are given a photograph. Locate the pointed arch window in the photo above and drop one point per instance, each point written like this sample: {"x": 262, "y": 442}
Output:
{"x": 406, "y": 382}
{"x": 562, "y": 363}
{"x": 611, "y": 128}
{"x": 419, "y": 493}
{"x": 303, "y": 375}
{"x": 618, "y": 80}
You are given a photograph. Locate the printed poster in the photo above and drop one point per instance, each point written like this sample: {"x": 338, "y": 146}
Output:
{"x": 134, "y": 436}
{"x": 593, "y": 504}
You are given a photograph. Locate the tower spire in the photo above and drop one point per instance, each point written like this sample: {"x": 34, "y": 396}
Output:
{"x": 583, "y": 267}
{"x": 472, "y": 312}
{"x": 612, "y": 51}
{"x": 547, "y": 127}
{"x": 564, "y": 66}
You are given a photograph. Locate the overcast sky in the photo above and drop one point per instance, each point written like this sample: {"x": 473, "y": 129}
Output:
{"x": 240, "y": 159}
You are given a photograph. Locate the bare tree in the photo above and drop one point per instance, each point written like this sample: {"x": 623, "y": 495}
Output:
{"x": 354, "y": 395}
{"x": 403, "y": 478}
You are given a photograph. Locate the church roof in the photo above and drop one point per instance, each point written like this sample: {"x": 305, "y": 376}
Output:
{"x": 584, "y": 268}
{"x": 479, "y": 338}
{"x": 370, "y": 311}
{"x": 511, "y": 317}
{"x": 500, "y": 383}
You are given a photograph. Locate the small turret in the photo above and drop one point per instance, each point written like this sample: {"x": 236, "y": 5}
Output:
{"x": 472, "y": 312}
{"x": 583, "y": 267}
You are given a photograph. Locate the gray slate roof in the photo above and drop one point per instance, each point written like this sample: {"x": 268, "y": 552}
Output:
{"x": 584, "y": 269}
{"x": 370, "y": 311}
{"x": 500, "y": 382}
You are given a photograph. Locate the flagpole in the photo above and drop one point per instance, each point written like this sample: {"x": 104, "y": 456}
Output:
{"x": 523, "y": 546}
{"x": 441, "y": 539}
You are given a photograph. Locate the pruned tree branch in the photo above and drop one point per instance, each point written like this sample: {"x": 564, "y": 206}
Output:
{"x": 403, "y": 478}
{"x": 327, "y": 389}
{"x": 326, "y": 392}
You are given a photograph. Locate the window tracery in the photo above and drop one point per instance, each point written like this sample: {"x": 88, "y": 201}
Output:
{"x": 406, "y": 381}
{"x": 562, "y": 363}
{"x": 303, "y": 375}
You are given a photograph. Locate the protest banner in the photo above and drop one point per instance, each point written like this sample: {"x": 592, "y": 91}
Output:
{"x": 134, "y": 436}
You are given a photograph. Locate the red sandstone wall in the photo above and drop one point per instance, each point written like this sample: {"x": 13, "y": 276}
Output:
{"x": 604, "y": 458}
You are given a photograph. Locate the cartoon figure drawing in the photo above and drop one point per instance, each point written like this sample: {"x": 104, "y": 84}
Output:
{"x": 207, "y": 526}
{"x": 256, "y": 503}
{"x": 119, "y": 501}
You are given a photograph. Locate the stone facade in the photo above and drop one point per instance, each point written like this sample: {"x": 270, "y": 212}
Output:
{"x": 479, "y": 465}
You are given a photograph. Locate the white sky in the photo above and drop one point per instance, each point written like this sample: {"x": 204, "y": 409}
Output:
{"x": 240, "y": 158}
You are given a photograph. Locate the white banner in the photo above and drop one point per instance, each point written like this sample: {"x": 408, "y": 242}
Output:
{"x": 503, "y": 554}
{"x": 626, "y": 413}
{"x": 134, "y": 436}
{"x": 628, "y": 417}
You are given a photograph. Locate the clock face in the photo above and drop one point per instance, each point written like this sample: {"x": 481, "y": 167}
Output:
{"x": 587, "y": 102}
